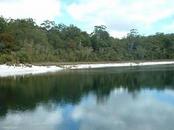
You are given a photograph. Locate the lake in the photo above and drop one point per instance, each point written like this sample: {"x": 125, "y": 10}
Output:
{"x": 132, "y": 98}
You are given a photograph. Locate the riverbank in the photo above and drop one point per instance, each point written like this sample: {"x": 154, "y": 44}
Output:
{"x": 122, "y": 64}
{"x": 13, "y": 70}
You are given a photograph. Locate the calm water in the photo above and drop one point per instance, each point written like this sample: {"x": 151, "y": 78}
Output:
{"x": 100, "y": 99}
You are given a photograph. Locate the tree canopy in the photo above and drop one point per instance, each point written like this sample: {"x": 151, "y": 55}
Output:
{"x": 23, "y": 41}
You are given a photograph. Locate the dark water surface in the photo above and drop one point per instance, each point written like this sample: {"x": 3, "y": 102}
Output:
{"x": 140, "y": 98}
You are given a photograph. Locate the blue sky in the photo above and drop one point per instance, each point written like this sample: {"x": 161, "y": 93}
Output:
{"x": 148, "y": 16}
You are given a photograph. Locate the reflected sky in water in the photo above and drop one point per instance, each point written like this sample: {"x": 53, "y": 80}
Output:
{"x": 142, "y": 109}
{"x": 146, "y": 110}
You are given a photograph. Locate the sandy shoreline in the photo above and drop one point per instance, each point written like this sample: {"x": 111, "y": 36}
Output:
{"x": 126, "y": 64}
{"x": 6, "y": 70}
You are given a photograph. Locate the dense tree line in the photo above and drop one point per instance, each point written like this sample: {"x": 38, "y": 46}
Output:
{"x": 22, "y": 41}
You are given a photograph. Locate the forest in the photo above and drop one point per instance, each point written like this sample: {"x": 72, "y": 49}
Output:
{"x": 23, "y": 41}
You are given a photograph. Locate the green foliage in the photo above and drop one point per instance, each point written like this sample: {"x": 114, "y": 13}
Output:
{"x": 2, "y": 24}
{"x": 22, "y": 40}
{"x": 6, "y": 58}
{"x": 23, "y": 57}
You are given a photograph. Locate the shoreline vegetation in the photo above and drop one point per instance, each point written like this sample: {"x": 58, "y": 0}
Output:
{"x": 23, "y": 41}
{"x": 29, "y": 69}
{"x": 28, "y": 48}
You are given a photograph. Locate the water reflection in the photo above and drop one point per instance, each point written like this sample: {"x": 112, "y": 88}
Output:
{"x": 38, "y": 119}
{"x": 102, "y": 99}
{"x": 123, "y": 112}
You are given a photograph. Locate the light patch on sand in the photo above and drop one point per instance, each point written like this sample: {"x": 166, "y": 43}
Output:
{"x": 6, "y": 70}
{"x": 127, "y": 64}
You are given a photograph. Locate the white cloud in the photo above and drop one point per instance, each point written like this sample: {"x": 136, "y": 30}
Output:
{"x": 121, "y": 15}
{"x": 39, "y": 10}
{"x": 39, "y": 119}
{"x": 118, "y": 34}
{"x": 122, "y": 111}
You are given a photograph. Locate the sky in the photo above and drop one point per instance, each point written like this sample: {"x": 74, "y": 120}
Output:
{"x": 119, "y": 16}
